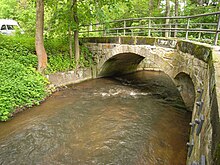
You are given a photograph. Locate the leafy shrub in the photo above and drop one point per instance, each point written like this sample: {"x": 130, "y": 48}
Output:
{"x": 86, "y": 57}
{"x": 60, "y": 62}
{"x": 19, "y": 48}
{"x": 19, "y": 86}
{"x": 56, "y": 46}
{"x": 18, "y": 43}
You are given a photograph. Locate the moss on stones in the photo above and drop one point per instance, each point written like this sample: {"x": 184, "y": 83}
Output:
{"x": 128, "y": 40}
{"x": 145, "y": 41}
{"x": 199, "y": 51}
{"x": 217, "y": 155}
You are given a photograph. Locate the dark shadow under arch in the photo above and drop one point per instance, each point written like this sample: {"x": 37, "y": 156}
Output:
{"x": 186, "y": 87}
{"x": 120, "y": 64}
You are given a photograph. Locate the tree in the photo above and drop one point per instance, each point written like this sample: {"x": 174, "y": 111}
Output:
{"x": 8, "y": 9}
{"x": 176, "y": 14}
{"x": 151, "y": 7}
{"x": 70, "y": 30}
{"x": 39, "y": 40}
{"x": 76, "y": 32}
{"x": 97, "y": 14}
{"x": 167, "y": 15}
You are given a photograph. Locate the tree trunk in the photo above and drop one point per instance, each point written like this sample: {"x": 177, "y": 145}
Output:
{"x": 176, "y": 14}
{"x": 151, "y": 7}
{"x": 76, "y": 33}
{"x": 158, "y": 4}
{"x": 70, "y": 43}
{"x": 39, "y": 41}
{"x": 167, "y": 15}
{"x": 70, "y": 30}
{"x": 76, "y": 46}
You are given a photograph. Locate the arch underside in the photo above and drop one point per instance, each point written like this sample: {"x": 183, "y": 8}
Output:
{"x": 187, "y": 90}
{"x": 120, "y": 64}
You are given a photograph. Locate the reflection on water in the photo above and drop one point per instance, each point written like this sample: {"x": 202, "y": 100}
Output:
{"x": 135, "y": 120}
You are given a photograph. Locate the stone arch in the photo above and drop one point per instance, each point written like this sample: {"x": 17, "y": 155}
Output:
{"x": 115, "y": 59}
{"x": 121, "y": 49}
{"x": 186, "y": 87}
{"x": 120, "y": 64}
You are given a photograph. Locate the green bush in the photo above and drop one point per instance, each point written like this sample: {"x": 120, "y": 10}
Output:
{"x": 86, "y": 57}
{"x": 56, "y": 46}
{"x": 19, "y": 86}
{"x": 19, "y": 48}
{"x": 18, "y": 43}
{"x": 60, "y": 62}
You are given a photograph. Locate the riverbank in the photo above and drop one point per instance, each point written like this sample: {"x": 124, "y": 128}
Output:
{"x": 22, "y": 86}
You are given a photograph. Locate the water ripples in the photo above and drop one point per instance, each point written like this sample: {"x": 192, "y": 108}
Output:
{"x": 98, "y": 122}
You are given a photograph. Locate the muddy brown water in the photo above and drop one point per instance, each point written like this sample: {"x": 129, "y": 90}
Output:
{"x": 137, "y": 119}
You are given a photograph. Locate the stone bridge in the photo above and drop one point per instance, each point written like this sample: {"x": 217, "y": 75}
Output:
{"x": 193, "y": 67}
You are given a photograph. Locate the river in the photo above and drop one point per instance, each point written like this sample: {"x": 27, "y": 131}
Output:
{"x": 136, "y": 119}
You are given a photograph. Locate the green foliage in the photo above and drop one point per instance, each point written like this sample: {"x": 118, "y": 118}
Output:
{"x": 59, "y": 59}
{"x": 200, "y": 9}
{"x": 20, "y": 48}
{"x": 58, "y": 55}
{"x": 19, "y": 86}
{"x": 26, "y": 16}
{"x": 62, "y": 62}
{"x": 6, "y": 8}
{"x": 57, "y": 45}
{"x": 86, "y": 57}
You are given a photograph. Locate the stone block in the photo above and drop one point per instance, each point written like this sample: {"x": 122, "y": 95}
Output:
{"x": 200, "y": 51}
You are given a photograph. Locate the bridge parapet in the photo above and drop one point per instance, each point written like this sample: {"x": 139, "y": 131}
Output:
{"x": 135, "y": 40}
{"x": 195, "y": 27}
{"x": 193, "y": 67}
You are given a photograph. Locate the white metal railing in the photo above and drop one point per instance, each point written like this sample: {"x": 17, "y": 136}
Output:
{"x": 203, "y": 27}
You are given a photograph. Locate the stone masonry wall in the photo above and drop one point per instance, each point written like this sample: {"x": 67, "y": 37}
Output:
{"x": 65, "y": 78}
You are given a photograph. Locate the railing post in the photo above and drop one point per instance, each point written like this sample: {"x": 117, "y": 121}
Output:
{"x": 170, "y": 31}
{"x": 88, "y": 28}
{"x": 200, "y": 31}
{"x": 124, "y": 27}
{"x": 187, "y": 28}
{"x": 167, "y": 24}
{"x": 104, "y": 30}
{"x": 217, "y": 29}
{"x": 149, "y": 26}
{"x": 176, "y": 26}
